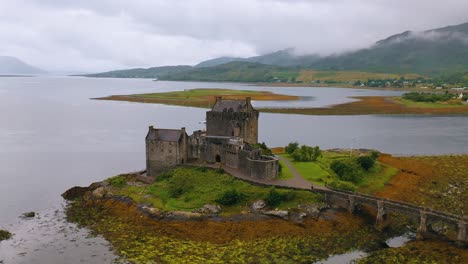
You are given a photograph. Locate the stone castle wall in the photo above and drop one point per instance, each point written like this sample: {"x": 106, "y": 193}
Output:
{"x": 161, "y": 155}
{"x": 233, "y": 124}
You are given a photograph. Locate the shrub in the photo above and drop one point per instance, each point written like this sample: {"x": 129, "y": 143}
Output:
{"x": 263, "y": 148}
{"x": 178, "y": 185}
{"x": 274, "y": 198}
{"x": 346, "y": 186}
{"x": 374, "y": 154}
{"x": 230, "y": 197}
{"x": 366, "y": 162}
{"x": 202, "y": 169}
{"x": 291, "y": 147}
{"x": 220, "y": 170}
{"x": 117, "y": 181}
{"x": 164, "y": 176}
{"x": 346, "y": 171}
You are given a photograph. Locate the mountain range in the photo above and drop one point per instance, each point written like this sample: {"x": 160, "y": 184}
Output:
{"x": 14, "y": 66}
{"x": 431, "y": 52}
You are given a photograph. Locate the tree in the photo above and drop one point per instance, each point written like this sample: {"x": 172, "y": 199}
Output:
{"x": 366, "y": 162}
{"x": 291, "y": 147}
{"x": 306, "y": 153}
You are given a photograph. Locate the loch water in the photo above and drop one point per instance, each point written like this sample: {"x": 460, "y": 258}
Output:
{"x": 53, "y": 137}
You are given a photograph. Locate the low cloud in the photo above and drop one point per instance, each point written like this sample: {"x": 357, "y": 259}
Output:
{"x": 88, "y": 35}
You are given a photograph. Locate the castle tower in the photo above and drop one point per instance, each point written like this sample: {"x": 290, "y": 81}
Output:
{"x": 233, "y": 118}
{"x": 165, "y": 148}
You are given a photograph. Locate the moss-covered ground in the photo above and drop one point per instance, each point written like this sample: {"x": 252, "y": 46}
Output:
{"x": 419, "y": 252}
{"x": 143, "y": 240}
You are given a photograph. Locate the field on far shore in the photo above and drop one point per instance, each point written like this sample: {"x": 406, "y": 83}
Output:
{"x": 377, "y": 105}
{"x": 308, "y": 76}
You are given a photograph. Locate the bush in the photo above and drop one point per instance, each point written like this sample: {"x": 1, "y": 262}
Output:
{"x": 274, "y": 198}
{"x": 291, "y": 147}
{"x": 346, "y": 171}
{"x": 374, "y": 154}
{"x": 266, "y": 151}
{"x": 346, "y": 186}
{"x": 178, "y": 185}
{"x": 202, "y": 169}
{"x": 366, "y": 162}
{"x": 220, "y": 170}
{"x": 230, "y": 197}
{"x": 164, "y": 176}
{"x": 117, "y": 181}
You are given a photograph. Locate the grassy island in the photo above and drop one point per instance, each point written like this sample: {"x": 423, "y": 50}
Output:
{"x": 204, "y": 98}
{"x": 365, "y": 105}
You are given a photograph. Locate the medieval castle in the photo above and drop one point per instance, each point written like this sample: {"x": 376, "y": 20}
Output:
{"x": 231, "y": 132}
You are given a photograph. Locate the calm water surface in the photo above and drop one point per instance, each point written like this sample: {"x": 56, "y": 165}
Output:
{"x": 52, "y": 137}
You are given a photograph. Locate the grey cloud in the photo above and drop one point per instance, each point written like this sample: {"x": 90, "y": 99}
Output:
{"x": 109, "y": 34}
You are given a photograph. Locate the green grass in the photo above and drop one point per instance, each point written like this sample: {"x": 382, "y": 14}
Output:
{"x": 312, "y": 171}
{"x": 205, "y": 187}
{"x": 286, "y": 173}
{"x": 319, "y": 172}
{"x": 195, "y": 94}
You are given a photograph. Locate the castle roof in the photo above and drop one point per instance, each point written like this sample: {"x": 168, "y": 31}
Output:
{"x": 165, "y": 134}
{"x": 230, "y": 105}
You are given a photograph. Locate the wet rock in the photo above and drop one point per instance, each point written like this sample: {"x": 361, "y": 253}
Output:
{"x": 74, "y": 193}
{"x": 209, "y": 209}
{"x": 152, "y": 212}
{"x": 99, "y": 193}
{"x": 4, "y": 235}
{"x": 313, "y": 209}
{"x": 95, "y": 185}
{"x": 297, "y": 217}
{"x": 258, "y": 205}
{"x": 278, "y": 213}
{"x": 28, "y": 215}
{"x": 181, "y": 215}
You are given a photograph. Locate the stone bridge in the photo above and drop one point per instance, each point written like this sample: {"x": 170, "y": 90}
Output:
{"x": 425, "y": 216}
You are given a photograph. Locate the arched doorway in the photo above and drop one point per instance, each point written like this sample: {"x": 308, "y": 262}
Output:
{"x": 218, "y": 158}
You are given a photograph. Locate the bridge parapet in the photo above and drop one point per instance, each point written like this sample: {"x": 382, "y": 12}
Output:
{"x": 349, "y": 200}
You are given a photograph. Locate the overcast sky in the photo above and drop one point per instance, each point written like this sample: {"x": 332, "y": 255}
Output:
{"x": 100, "y": 35}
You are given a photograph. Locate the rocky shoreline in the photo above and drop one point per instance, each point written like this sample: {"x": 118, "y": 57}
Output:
{"x": 258, "y": 210}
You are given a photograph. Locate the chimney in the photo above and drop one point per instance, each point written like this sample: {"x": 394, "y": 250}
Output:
{"x": 183, "y": 129}
{"x": 247, "y": 100}
{"x": 218, "y": 98}
{"x": 151, "y": 128}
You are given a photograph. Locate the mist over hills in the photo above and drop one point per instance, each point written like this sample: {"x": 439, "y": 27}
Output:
{"x": 14, "y": 66}
{"x": 431, "y": 52}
